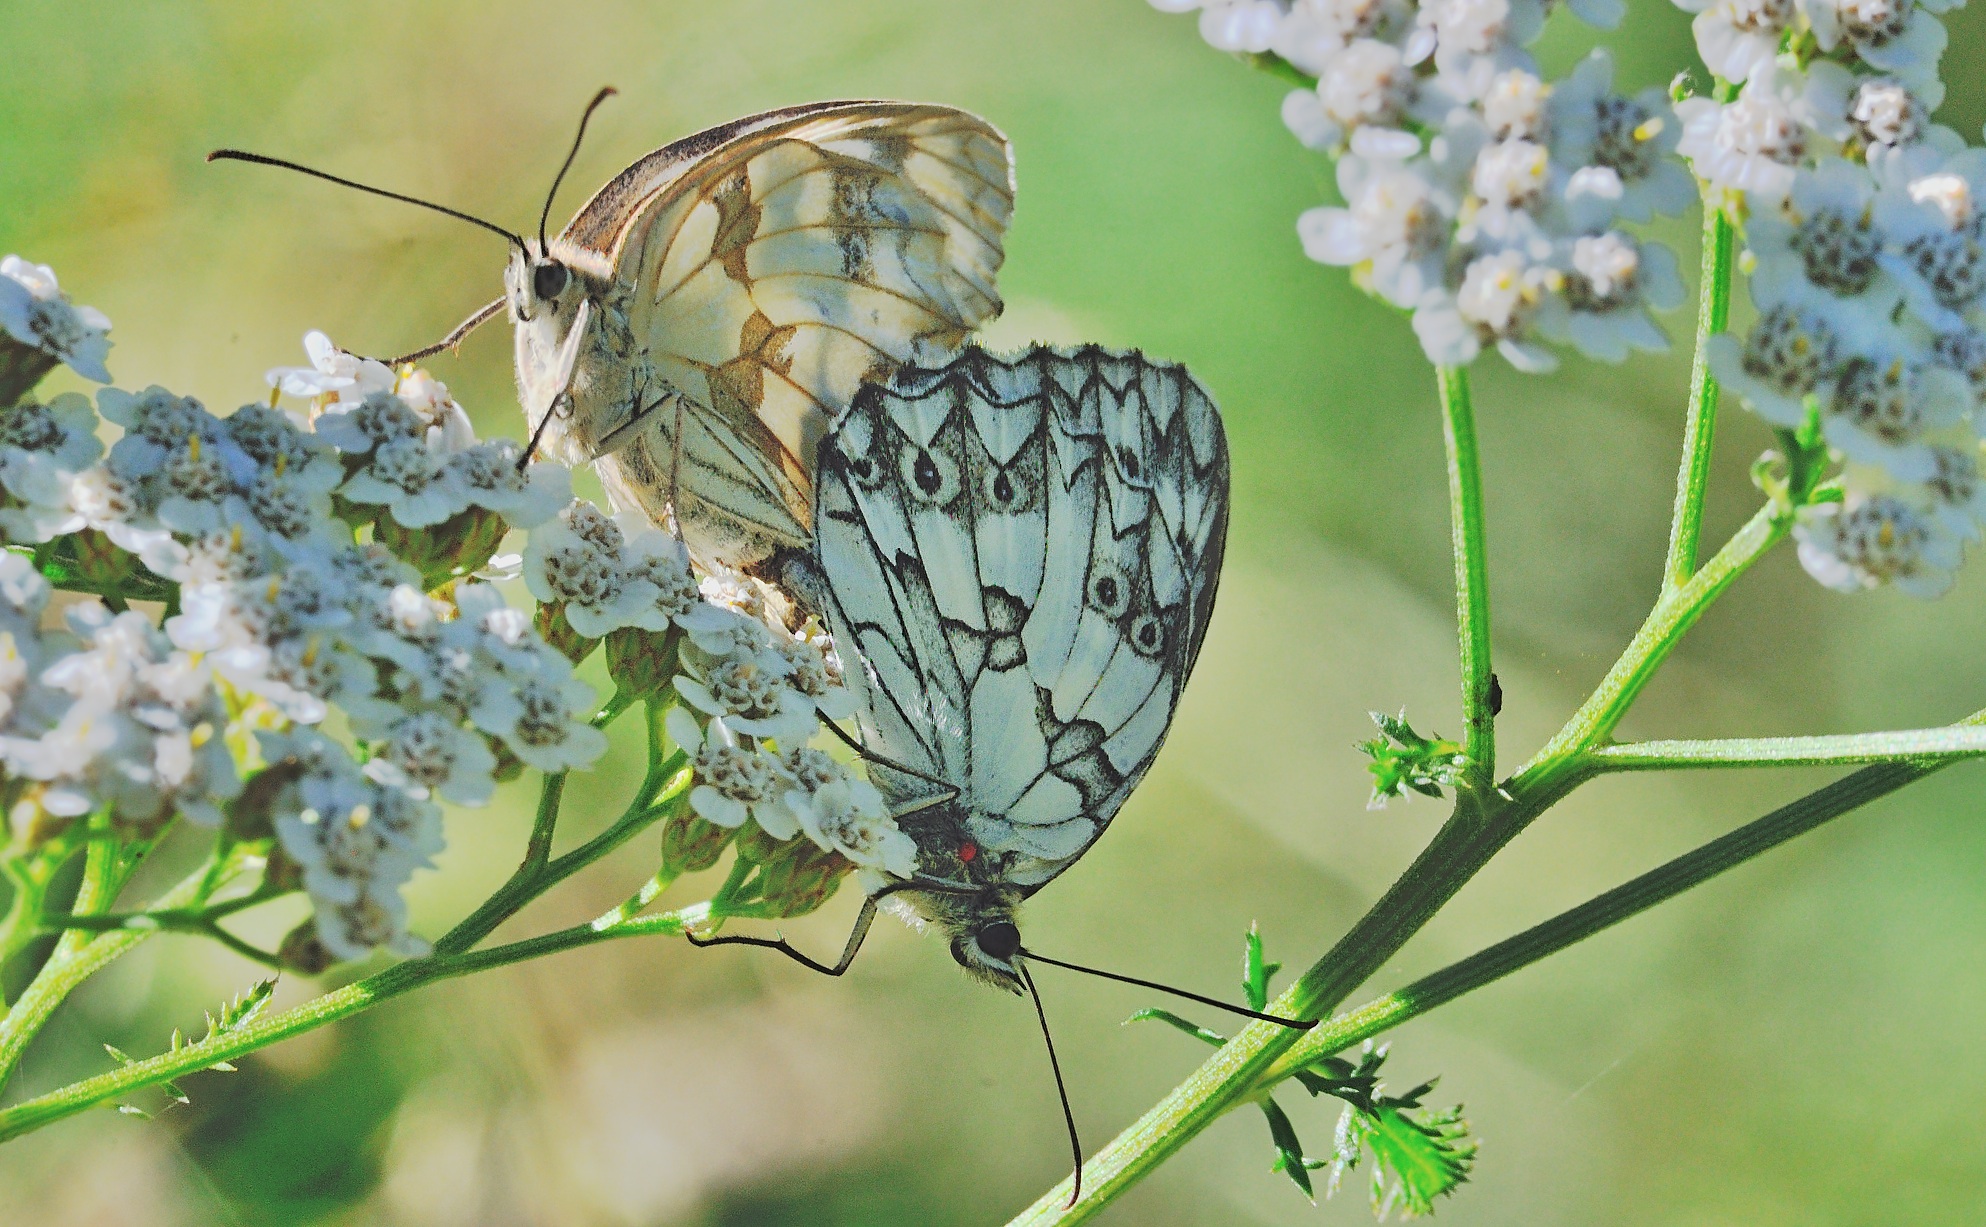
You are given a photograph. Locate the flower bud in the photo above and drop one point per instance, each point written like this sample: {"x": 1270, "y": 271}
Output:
{"x": 460, "y": 545}
{"x": 690, "y": 844}
{"x": 303, "y": 951}
{"x": 556, "y": 631}
{"x": 799, "y": 877}
{"x": 641, "y": 662}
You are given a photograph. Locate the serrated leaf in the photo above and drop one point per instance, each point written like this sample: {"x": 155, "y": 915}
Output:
{"x": 1415, "y": 1158}
{"x": 1289, "y": 1150}
{"x": 1190, "y": 1027}
{"x": 1255, "y": 973}
{"x": 242, "y": 1009}
{"x": 1403, "y": 760}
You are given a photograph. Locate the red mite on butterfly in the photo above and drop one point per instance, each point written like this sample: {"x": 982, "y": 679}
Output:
{"x": 967, "y": 851}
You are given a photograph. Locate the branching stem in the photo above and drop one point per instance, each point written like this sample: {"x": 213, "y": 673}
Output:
{"x": 1700, "y": 422}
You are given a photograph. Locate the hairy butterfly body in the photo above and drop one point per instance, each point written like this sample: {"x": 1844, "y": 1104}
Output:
{"x": 1022, "y": 553}
{"x": 702, "y": 321}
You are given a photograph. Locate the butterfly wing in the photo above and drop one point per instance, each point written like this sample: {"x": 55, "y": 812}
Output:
{"x": 757, "y": 275}
{"x": 1023, "y": 555}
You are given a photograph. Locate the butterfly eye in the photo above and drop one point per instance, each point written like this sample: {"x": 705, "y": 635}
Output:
{"x": 1006, "y": 491}
{"x": 1001, "y": 940}
{"x": 930, "y": 475}
{"x": 1147, "y": 636}
{"x": 1109, "y": 592}
{"x": 548, "y": 279}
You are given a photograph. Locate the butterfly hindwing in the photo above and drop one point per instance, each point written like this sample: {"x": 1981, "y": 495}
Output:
{"x": 758, "y": 276}
{"x": 1023, "y": 553}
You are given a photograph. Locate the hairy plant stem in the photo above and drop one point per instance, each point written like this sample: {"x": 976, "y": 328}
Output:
{"x": 1472, "y": 599}
{"x": 332, "y": 1006}
{"x": 1950, "y": 744}
{"x": 663, "y": 792}
{"x": 1610, "y": 908}
{"x": 1700, "y": 422}
{"x": 80, "y": 954}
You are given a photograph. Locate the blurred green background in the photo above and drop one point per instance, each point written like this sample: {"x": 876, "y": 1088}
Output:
{"x": 1794, "y": 1044}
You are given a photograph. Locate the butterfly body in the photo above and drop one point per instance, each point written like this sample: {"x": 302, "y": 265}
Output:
{"x": 1022, "y": 554}
{"x": 718, "y": 304}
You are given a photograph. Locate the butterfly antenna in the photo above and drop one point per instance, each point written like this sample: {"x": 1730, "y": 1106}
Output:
{"x": 546, "y": 216}
{"x": 1068, "y": 1117}
{"x": 1300, "y": 1024}
{"x": 240, "y": 155}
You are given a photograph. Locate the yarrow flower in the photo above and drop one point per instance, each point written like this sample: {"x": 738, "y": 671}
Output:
{"x": 35, "y": 313}
{"x": 1469, "y": 179}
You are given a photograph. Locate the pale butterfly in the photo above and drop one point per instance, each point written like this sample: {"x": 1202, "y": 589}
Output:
{"x": 698, "y": 325}
{"x": 1017, "y": 558}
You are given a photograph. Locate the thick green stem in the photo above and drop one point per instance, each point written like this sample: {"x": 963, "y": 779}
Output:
{"x": 332, "y": 1006}
{"x": 1471, "y": 836}
{"x": 1713, "y": 311}
{"x": 1472, "y": 600}
{"x": 1952, "y": 743}
{"x": 1657, "y": 886}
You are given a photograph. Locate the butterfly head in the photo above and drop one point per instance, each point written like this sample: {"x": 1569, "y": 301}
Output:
{"x": 985, "y": 940}
{"x": 539, "y": 285}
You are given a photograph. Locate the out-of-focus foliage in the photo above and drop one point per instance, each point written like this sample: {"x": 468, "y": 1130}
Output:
{"x": 648, "y": 1083}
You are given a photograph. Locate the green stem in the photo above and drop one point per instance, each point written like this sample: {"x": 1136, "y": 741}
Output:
{"x": 1568, "y": 928}
{"x": 1674, "y": 614}
{"x": 1952, "y": 743}
{"x": 1472, "y": 599}
{"x": 1713, "y": 312}
{"x": 651, "y": 803}
{"x": 332, "y": 1006}
{"x": 78, "y": 956}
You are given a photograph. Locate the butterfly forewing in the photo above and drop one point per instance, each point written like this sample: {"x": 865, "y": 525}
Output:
{"x": 754, "y": 277}
{"x": 1022, "y": 554}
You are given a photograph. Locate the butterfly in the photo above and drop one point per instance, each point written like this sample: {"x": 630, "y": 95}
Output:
{"x": 1021, "y": 554}
{"x": 702, "y": 320}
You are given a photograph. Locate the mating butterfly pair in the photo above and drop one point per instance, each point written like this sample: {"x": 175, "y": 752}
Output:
{"x": 759, "y": 334}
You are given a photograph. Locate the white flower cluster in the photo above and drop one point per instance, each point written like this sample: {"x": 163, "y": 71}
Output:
{"x": 422, "y": 464}
{"x": 108, "y": 715}
{"x": 753, "y": 694}
{"x": 1478, "y": 195}
{"x": 35, "y": 312}
{"x": 1865, "y": 243}
{"x": 282, "y": 616}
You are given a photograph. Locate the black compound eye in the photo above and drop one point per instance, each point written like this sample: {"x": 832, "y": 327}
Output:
{"x": 1000, "y": 940}
{"x": 548, "y": 279}
{"x": 1147, "y": 636}
{"x": 931, "y": 476}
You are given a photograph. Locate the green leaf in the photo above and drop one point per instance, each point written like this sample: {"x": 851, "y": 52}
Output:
{"x": 238, "y": 1012}
{"x": 1190, "y": 1027}
{"x": 119, "y": 1055}
{"x": 1289, "y": 1151}
{"x": 1403, "y": 759}
{"x": 132, "y": 1109}
{"x": 1417, "y": 1154}
{"x": 1255, "y": 973}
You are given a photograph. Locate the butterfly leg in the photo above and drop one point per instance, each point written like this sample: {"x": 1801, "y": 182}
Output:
{"x": 855, "y": 939}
